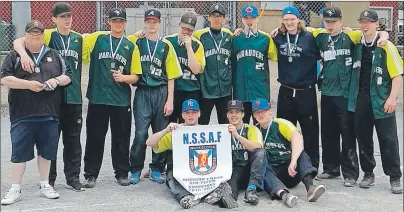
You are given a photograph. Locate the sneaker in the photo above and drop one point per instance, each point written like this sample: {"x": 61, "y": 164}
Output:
{"x": 156, "y": 177}
{"x": 395, "y": 184}
{"x": 325, "y": 175}
{"x": 147, "y": 174}
{"x": 368, "y": 180}
{"x": 228, "y": 202}
{"x": 13, "y": 195}
{"x": 251, "y": 196}
{"x": 75, "y": 185}
{"x": 217, "y": 194}
{"x": 349, "y": 182}
{"x": 315, "y": 192}
{"x": 123, "y": 181}
{"x": 289, "y": 199}
{"x": 90, "y": 182}
{"x": 188, "y": 201}
{"x": 48, "y": 192}
{"x": 135, "y": 177}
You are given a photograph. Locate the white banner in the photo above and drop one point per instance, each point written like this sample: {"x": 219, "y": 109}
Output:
{"x": 202, "y": 157}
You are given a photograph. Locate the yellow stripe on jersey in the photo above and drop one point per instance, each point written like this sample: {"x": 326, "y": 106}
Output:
{"x": 316, "y": 31}
{"x": 132, "y": 38}
{"x": 394, "y": 61}
{"x": 254, "y": 134}
{"x": 173, "y": 68}
{"x": 286, "y": 128}
{"x": 200, "y": 53}
{"x": 355, "y": 36}
{"x": 165, "y": 143}
{"x": 227, "y": 31}
{"x": 91, "y": 39}
{"x": 272, "y": 51}
{"x": 136, "y": 65}
{"x": 48, "y": 35}
{"x": 197, "y": 34}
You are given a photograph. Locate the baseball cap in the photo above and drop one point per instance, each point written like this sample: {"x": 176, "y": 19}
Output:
{"x": 261, "y": 104}
{"x": 290, "y": 10}
{"x": 217, "y": 8}
{"x": 190, "y": 104}
{"x": 249, "y": 10}
{"x": 235, "y": 104}
{"x": 188, "y": 20}
{"x": 370, "y": 15}
{"x": 152, "y": 14}
{"x": 35, "y": 24}
{"x": 332, "y": 14}
{"x": 61, "y": 9}
{"x": 117, "y": 13}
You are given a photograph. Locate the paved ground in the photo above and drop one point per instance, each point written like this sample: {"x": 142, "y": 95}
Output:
{"x": 148, "y": 196}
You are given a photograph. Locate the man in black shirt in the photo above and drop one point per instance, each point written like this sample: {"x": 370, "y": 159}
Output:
{"x": 34, "y": 103}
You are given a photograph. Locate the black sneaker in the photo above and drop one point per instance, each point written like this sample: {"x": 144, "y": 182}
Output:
{"x": 315, "y": 192}
{"x": 368, "y": 180}
{"x": 251, "y": 196}
{"x": 189, "y": 201}
{"x": 325, "y": 175}
{"x": 123, "y": 181}
{"x": 395, "y": 184}
{"x": 75, "y": 185}
{"x": 90, "y": 182}
{"x": 349, "y": 182}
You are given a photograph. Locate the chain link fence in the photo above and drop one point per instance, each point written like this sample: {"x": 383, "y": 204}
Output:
{"x": 89, "y": 16}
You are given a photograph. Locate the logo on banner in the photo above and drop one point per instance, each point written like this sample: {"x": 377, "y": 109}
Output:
{"x": 202, "y": 159}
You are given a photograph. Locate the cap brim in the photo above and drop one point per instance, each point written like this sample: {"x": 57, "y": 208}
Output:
{"x": 331, "y": 19}
{"x": 235, "y": 108}
{"x": 153, "y": 18}
{"x": 217, "y": 11}
{"x": 193, "y": 109}
{"x": 367, "y": 18}
{"x": 42, "y": 30}
{"x": 187, "y": 26}
{"x": 64, "y": 13}
{"x": 254, "y": 16}
{"x": 116, "y": 18}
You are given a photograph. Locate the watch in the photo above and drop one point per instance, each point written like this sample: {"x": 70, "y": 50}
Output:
{"x": 57, "y": 81}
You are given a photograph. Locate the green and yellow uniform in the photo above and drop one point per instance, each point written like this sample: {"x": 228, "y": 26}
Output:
{"x": 239, "y": 152}
{"x": 72, "y": 48}
{"x": 216, "y": 81}
{"x": 250, "y": 66}
{"x": 102, "y": 89}
{"x": 277, "y": 141}
{"x": 188, "y": 81}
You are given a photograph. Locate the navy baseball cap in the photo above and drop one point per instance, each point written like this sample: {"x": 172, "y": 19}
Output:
{"x": 370, "y": 15}
{"x": 235, "y": 104}
{"x": 190, "y": 104}
{"x": 261, "y": 104}
{"x": 152, "y": 14}
{"x": 290, "y": 10}
{"x": 249, "y": 10}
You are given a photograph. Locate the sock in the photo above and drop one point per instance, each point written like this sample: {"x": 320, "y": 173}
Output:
{"x": 280, "y": 193}
{"x": 252, "y": 187}
{"x": 308, "y": 181}
{"x": 16, "y": 187}
{"x": 44, "y": 183}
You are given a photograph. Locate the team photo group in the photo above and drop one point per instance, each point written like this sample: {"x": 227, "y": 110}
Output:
{"x": 176, "y": 81}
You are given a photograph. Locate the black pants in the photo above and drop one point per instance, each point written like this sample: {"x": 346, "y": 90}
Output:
{"x": 70, "y": 124}
{"x": 301, "y": 105}
{"x": 250, "y": 174}
{"x": 386, "y": 129}
{"x": 336, "y": 121}
{"x": 176, "y": 189}
{"x": 148, "y": 110}
{"x": 98, "y": 118}
{"x": 248, "y": 113}
{"x": 276, "y": 177}
{"x": 207, "y": 106}
{"x": 179, "y": 98}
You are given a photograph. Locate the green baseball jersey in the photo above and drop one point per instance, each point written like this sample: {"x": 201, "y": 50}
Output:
{"x": 216, "y": 80}
{"x": 72, "y": 49}
{"x": 159, "y": 61}
{"x": 251, "y": 67}
{"x": 387, "y": 64}
{"x": 336, "y": 53}
{"x": 277, "y": 141}
{"x": 188, "y": 81}
{"x": 102, "y": 88}
{"x": 239, "y": 152}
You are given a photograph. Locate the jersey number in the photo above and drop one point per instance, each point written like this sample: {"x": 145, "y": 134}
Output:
{"x": 155, "y": 71}
{"x": 259, "y": 66}
{"x": 76, "y": 64}
{"x": 348, "y": 61}
{"x": 188, "y": 75}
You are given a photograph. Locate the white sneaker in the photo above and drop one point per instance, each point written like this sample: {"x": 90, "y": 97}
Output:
{"x": 12, "y": 196}
{"x": 48, "y": 192}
